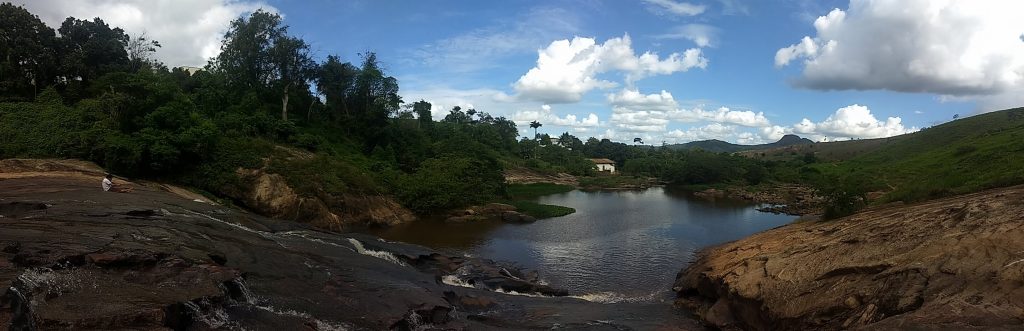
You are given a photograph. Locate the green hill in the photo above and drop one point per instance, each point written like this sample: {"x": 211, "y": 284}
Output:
{"x": 962, "y": 156}
{"x": 719, "y": 146}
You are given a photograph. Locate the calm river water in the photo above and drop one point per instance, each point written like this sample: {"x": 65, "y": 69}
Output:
{"x": 623, "y": 244}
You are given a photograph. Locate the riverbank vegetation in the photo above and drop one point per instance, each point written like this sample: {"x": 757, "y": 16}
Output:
{"x": 333, "y": 126}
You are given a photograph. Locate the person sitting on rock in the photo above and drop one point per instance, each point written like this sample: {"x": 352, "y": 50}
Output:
{"x": 109, "y": 186}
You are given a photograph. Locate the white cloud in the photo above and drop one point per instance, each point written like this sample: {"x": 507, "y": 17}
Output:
{"x": 700, "y": 34}
{"x": 734, "y": 7}
{"x": 484, "y": 47}
{"x": 443, "y": 99}
{"x": 566, "y": 70}
{"x": 190, "y": 31}
{"x": 723, "y": 115}
{"x": 710, "y": 131}
{"x": 933, "y": 46}
{"x": 676, "y": 8}
{"x": 661, "y": 107}
{"x": 546, "y": 116}
{"x": 850, "y": 122}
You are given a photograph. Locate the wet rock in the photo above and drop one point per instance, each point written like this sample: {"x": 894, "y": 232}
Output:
{"x": 18, "y": 209}
{"x": 269, "y": 194}
{"x": 947, "y": 264}
{"x": 491, "y": 211}
{"x": 517, "y": 217}
{"x": 199, "y": 266}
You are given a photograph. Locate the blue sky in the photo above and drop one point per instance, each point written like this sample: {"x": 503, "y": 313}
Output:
{"x": 735, "y": 70}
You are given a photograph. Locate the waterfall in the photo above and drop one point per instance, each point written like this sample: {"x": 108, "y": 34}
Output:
{"x": 387, "y": 256}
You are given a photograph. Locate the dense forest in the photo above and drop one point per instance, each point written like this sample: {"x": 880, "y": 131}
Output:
{"x": 91, "y": 91}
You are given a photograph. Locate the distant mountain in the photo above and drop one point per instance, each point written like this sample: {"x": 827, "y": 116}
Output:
{"x": 719, "y": 146}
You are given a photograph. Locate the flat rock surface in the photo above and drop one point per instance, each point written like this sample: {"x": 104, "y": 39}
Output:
{"x": 948, "y": 264}
{"x": 74, "y": 257}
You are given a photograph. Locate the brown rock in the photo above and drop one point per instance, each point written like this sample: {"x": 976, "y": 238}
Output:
{"x": 932, "y": 265}
{"x": 270, "y": 195}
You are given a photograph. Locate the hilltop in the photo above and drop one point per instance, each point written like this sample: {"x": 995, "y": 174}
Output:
{"x": 719, "y": 146}
{"x": 962, "y": 156}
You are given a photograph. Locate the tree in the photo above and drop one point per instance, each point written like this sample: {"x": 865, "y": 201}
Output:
{"x": 535, "y": 125}
{"x": 374, "y": 98}
{"x": 89, "y": 49}
{"x": 293, "y": 67}
{"x": 245, "y": 57}
{"x": 140, "y": 52}
{"x": 423, "y": 115}
{"x": 638, "y": 140}
{"x": 335, "y": 81}
{"x": 28, "y": 58}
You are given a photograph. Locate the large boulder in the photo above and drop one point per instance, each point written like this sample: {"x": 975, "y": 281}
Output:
{"x": 949, "y": 264}
{"x": 269, "y": 194}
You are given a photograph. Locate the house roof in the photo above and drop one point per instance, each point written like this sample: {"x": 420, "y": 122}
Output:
{"x": 602, "y": 161}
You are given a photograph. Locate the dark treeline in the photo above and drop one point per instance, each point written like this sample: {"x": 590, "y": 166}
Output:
{"x": 91, "y": 91}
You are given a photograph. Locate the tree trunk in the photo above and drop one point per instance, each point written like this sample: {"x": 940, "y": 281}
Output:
{"x": 284, "y": 104}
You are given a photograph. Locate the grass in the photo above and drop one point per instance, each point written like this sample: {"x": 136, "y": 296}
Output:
{"x": 530, "y": 191}
{"x": 962, "y": 156}
{"x": 520, "y": 194}
{"x": 539, "y": 210}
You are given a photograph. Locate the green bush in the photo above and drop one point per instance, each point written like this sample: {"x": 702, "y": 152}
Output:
{"x": 449, "y": 182}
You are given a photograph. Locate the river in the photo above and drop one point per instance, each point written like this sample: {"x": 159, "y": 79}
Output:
{"x": 618, "y": 246}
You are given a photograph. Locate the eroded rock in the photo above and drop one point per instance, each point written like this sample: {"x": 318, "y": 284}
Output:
{"x": 947, "y": 264}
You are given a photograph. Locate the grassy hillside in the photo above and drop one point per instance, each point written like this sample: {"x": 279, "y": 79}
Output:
{"x": 966, "y": 155}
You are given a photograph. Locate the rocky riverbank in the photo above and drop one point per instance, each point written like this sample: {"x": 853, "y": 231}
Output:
{"x": 949, "y": 264}
{"x": 74, "y": 257}
{"x": 781, "y": 198}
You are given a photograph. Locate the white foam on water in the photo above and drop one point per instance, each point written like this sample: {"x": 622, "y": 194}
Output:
{"x": 316, "y": 240}
{"x": 387, "y": 256}
{"x": 320, "y": 325}
{"x": 454, "y": 280}
{"x": 532, "y": 295}
{"x": 215, "y": 319}
{"x": 612, "y": 297}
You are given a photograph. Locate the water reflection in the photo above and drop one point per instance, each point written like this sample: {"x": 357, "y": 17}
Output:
{"x": 628, "y": 242}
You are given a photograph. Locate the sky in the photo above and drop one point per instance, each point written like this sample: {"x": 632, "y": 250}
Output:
{"x": 666, "y": 71}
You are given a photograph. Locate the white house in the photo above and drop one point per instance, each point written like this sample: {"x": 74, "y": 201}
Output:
{"x": 604, "y": 165}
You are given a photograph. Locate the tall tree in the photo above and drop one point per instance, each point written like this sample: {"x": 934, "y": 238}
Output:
{"x": 89, "y": 49}
{"x": 335, "y": 81}
{"x": 535, "y": 125}
{"x": 28, "y": 56}
{"x": 423, "y": 114}
{"x": 245, "y": 57}
{"x": 374, "y": 98}
{"x": 140, "y": 52}
{"x": 293, "y": 68}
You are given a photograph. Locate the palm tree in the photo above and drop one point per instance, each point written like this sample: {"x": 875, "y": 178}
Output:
{"x": 535, "y": 125}
{"x": 638, "y": 140}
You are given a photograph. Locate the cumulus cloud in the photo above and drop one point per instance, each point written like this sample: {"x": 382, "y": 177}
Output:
{"x": 546, "y": 116}
{"x": 711, "y": 131}
{"x": 675, "y": 8}
{"x": 443, "y": 99}
{"x": 700, "y": 34}
{"x": 568, "y": 69}
{"x": 850, "y": 122}
{"x": 190, "y": 31}
{"x": 657, "y": 109}
{"x": 723, "y": 115}
{"x": 945, "y": 47}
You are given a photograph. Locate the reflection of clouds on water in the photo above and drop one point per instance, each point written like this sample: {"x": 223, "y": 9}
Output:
{"x": 622, "y": 262}
{"x": 617, "y": 246}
